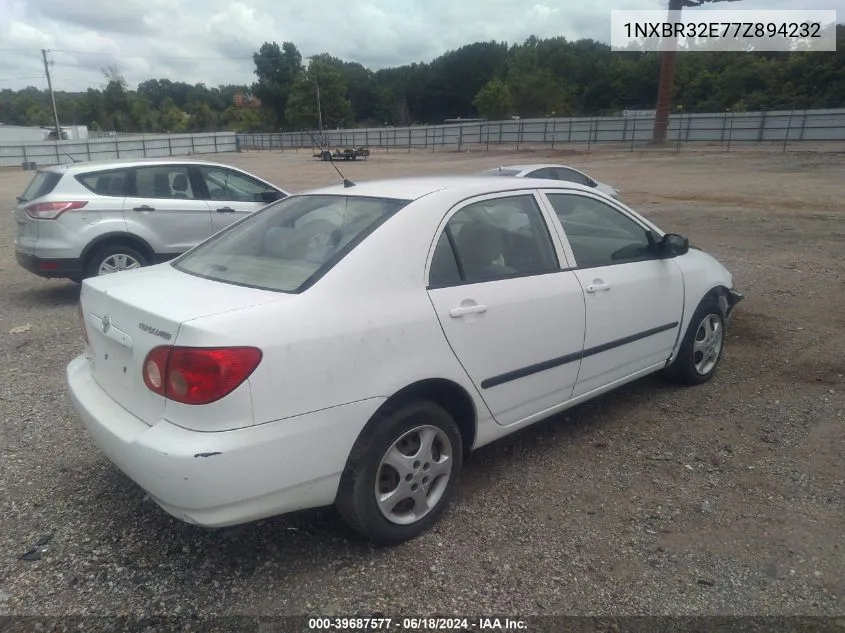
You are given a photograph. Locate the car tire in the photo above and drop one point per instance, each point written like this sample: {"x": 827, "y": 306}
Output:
{"x": 702, "y": 347}
{"x": 115, "y": 253}
{"x": 413, "y": 452}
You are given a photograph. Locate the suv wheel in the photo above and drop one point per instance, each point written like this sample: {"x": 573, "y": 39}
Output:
{"x": 113, "y": 259}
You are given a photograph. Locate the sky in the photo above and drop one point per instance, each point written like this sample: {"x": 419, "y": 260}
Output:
{"x": 212, "y": 41}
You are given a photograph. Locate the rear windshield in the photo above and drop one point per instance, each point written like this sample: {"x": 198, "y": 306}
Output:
{"x": 41, "y": 184}
{"x": 287, "y": 246}
{"x": 502, "y": 172}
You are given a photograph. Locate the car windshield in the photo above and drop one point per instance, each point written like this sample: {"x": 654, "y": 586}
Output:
{"x": 287, "y": 246}
{"x": 502, "y": 172}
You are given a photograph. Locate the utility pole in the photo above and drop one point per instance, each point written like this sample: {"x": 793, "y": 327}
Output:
{"x": 667, "y": 83}
{"x": 667, "y": 72}
{"x": 52, "y": 96}
{"x": 319, "y": 109}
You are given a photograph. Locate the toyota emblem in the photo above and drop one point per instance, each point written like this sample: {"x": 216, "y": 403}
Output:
{"x": 106, "y": 323}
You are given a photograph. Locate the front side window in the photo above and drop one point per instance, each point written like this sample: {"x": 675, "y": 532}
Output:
{"x": 289, "y": 245}
{"x": 493, "y": 239}
{"x": 224, "y": 184}
{"x": 599, "y": 234}
{"x": 105, "y": 183}
{"x": 164, "y": 181}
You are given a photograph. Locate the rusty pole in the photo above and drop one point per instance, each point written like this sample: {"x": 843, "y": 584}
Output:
{"x": 667, "y": 83}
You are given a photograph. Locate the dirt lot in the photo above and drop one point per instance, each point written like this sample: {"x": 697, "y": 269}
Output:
{"x": 722, "y": 499}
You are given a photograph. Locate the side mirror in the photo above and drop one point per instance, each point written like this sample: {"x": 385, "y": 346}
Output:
{"x": 270, "y": 196}
{"x": 673, "y": 245}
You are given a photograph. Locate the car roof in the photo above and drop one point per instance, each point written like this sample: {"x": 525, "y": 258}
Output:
{"x": 459, "y": 187}
{"x": 100, "y": 165}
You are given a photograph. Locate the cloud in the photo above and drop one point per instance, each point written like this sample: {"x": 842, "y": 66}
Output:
{"x": 212, "y": 41}
{"x": 116, "y": 16}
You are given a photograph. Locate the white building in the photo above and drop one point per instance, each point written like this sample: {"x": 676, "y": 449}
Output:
{"x": 35, "y": 134}
{"x": 21, "y": 134}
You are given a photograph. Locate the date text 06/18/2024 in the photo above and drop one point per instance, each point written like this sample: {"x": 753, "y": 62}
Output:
{"x": 417, "y": 624}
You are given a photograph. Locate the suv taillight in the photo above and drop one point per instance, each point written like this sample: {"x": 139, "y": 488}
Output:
{"x": 52, "y": 210}
{"x": 198, "y": 375}
{"x": 81, "y": 313}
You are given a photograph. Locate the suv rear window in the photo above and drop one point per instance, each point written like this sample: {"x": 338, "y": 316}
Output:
{"x": 41, "y": 184}
{"x": 289, "y": 245}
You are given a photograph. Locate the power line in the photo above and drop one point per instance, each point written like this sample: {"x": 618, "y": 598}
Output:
{"x": 3, "y": 79}
{"x": 72, "y": 52}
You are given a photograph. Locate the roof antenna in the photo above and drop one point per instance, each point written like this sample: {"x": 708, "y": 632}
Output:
{"x": 323, "y": 150}
{"x": 74, "y": 160}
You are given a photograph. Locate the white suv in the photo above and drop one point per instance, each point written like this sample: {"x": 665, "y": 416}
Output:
{"x": 89, "y": 219}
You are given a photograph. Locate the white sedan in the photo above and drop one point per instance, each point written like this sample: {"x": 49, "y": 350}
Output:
{"x": 351, "y": 345}
{"x": 554, "y": 172}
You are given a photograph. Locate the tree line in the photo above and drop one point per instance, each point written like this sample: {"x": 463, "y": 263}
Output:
{"x": 493, "y": 80}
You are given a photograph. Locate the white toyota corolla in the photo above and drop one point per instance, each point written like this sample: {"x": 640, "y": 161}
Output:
{"x": 351, "y": 345}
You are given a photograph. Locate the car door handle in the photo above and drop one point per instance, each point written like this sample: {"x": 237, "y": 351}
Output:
{"x": 457, "y": 313}
{"x": 597, "y": 286}
{"x": 226, "y": 210}
{"x": 144, "y": 207}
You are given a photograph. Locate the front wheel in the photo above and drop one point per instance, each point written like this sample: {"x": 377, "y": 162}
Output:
{"x": 701, "y": 349}
{"x": 401, "y": 473}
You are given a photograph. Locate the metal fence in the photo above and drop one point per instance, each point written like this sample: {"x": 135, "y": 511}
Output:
{"x": 152, "y": 146}
{"x": 725, "y": 128}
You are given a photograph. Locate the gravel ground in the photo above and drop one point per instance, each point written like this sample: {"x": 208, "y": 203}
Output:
{"x": 720, "y": 499}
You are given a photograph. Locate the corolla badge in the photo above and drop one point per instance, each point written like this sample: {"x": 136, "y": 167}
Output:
{"x": 106, "y": 323}
{"x": 155, "y": 331}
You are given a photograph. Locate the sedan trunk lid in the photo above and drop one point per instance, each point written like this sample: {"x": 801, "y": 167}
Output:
{"x": 129, "y": 313}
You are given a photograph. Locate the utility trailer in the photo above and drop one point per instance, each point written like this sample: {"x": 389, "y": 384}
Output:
{"x": 348, "y": 153}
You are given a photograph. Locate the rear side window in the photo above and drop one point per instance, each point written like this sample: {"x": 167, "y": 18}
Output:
{"x": 289, "y": 245}
{"x": 546, "y": 172}
{"x": 41, "y": 184}
{"x": 163, "y": 181}
{"x": 493, "y": 239}
{"x": 105, "y": 183}
{"x": 570, "y": 175}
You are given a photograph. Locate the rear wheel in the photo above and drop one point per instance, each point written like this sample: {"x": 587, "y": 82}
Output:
{"x": 113, "y": 259}
{"x": 701, "y": 349}
{"x": 401, "y": 473}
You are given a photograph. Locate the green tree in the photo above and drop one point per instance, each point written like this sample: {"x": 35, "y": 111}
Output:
{"x": 277, "y": 70}
{"x": 494, "y": 100}
{"x": 203, "y": 118}
{"x": 173, "y": 119}
{"x": 241, "y": 120}
{"x": 335, "y": 107}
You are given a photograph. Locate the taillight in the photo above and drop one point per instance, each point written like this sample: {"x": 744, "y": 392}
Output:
{"x": 52, "y": 210}
{"x": 82, "y": 323}
{"x": 198, "y": 375}
{"x": 155, "y": 368}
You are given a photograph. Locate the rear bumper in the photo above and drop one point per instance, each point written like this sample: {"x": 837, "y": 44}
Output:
{"x": 49, "y": 267}
{"x": 216, "y": 479}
